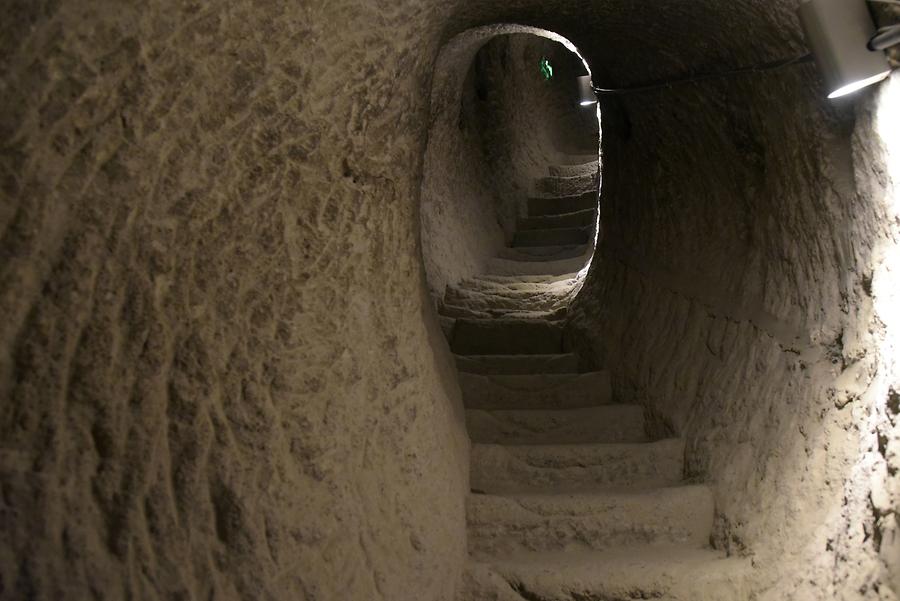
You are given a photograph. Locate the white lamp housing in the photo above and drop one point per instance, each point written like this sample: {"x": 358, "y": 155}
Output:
{"x": 586, "y": 94}
{"x": 837, "y": 32}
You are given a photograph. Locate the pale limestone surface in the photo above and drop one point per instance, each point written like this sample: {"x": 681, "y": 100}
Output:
{"x": 215, "y": 377}
{"x": 661, "y": 572}
{"x": 568, "y": 468}
{"x": 512, "y": 524}
{"x": 221, "y": 377}
{"x": 736, "y": 293}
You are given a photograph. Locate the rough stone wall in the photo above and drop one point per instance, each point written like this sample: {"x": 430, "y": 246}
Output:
{"x": 221, "y": 376}
{"x": 745, "y": 291}
{"x": 872, "y": 498}
{"x": 460, "y": 230}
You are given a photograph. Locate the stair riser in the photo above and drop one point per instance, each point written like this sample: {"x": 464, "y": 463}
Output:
{"x": 518, "y": 364}
{"x": 510, "y": 300}
{"x": 544, "y": 253}
{"x": 581, "y": 219}
{"x": 498, "y": 337}
{"x": 661, "y": 573}
{"x": 502, "y": 526}
{"x": 566, "y": 186}
{"x": 457, "y": 312}
{"x": 536, "y": 392}
{"x": 566, "y": 204}
{"x": 552, "y": 237}
{"x": 499, "y": 469}
{"x": 589, "y": 168}
{"x": 611, "y": 423}
{"x": 513, "y": 281}
{"x": 487, "y": 283}
{"x": 507, "y": 267}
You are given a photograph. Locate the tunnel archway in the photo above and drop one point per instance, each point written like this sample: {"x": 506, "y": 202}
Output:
{"x": 498, "y": 127}
{"x": 221, "y": 373}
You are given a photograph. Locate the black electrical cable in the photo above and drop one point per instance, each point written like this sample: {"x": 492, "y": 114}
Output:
{"x": 654, "y": 85}
{"x": 884, "y": 38}
{"x": 887, "y": 36}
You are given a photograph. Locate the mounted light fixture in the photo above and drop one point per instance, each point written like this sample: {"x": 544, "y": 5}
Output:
{"x": 586, "y": 94}
{"x": 838, "y": 33}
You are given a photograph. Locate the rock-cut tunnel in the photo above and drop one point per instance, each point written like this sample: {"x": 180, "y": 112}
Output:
{"x": 352, "y": 300}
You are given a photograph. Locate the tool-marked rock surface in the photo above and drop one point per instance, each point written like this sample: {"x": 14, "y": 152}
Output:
{"x": 664, "y": 573}
{"x": 503, "y": 525}
{"x": 499, "y": 298}
{"x": 560, "y": 235}
{"x": 606, "y": 423}
{"x": 565, "y": 363}
{"x": 219, "y": 374}
{"x": 545, "y": 254}
{"x": 560, "y": 205}
{"x": 535, "y": 391}
{"x": 576, "y": 467}
{"x": 527, "y": 265}
{"x": 580, "y": 219}
{"x": 587, "y": 168}
{"x": 567, "y": 185}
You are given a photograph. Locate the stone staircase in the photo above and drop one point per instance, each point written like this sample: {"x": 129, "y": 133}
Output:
{"x": 571, "y": 499}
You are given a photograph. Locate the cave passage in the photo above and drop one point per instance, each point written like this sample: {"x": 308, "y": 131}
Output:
{"x": 351, "y": 301}
{"x": 558, "y": 464}
{"x": 512, "y": 176}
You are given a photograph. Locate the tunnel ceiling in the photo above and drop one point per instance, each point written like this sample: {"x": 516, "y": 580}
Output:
{"x": 628, "y": 42}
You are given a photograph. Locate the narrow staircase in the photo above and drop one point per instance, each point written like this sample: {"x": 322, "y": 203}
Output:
{"x": 571, "y": 500}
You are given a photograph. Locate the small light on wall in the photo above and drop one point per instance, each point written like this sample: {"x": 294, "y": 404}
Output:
{"x": 586, "y": 94}
{"x": 546, "y": 68}
{"x": 838, "y": 32}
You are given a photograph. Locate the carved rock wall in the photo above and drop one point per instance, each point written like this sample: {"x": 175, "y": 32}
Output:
{"x": 221, "y": 375}
{"x": 745, "y": 292}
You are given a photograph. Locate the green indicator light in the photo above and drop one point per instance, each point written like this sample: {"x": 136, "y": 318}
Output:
{"x": 546, "y": 68}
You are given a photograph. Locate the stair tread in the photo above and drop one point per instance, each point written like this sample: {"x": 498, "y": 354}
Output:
{"x": 662, "y": 572}
{"x": 602, "y": 423}
{"x": 518, "y": 364}
{"x": 579, "y": 219}
{"x": 533, "y": 382}
{"x": 519, "y": 279}
{"x": 500, "y": 524}
{"x": 556, "y": 205}
{"x": 535, "y": 391}
{"x": 544, "y": 253}
{"x": 530, "y": 238}
{"x": 592, "y": 501}
{"x": 513, "y": 284}
{"x": 512, "y": 469}
{"x": 461, "y": 312}
{"x": 574, "y": 170}
{"x": 524, "y": 296}
{"x": 501, "y": 266}
{"x": 567, "y": 184}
